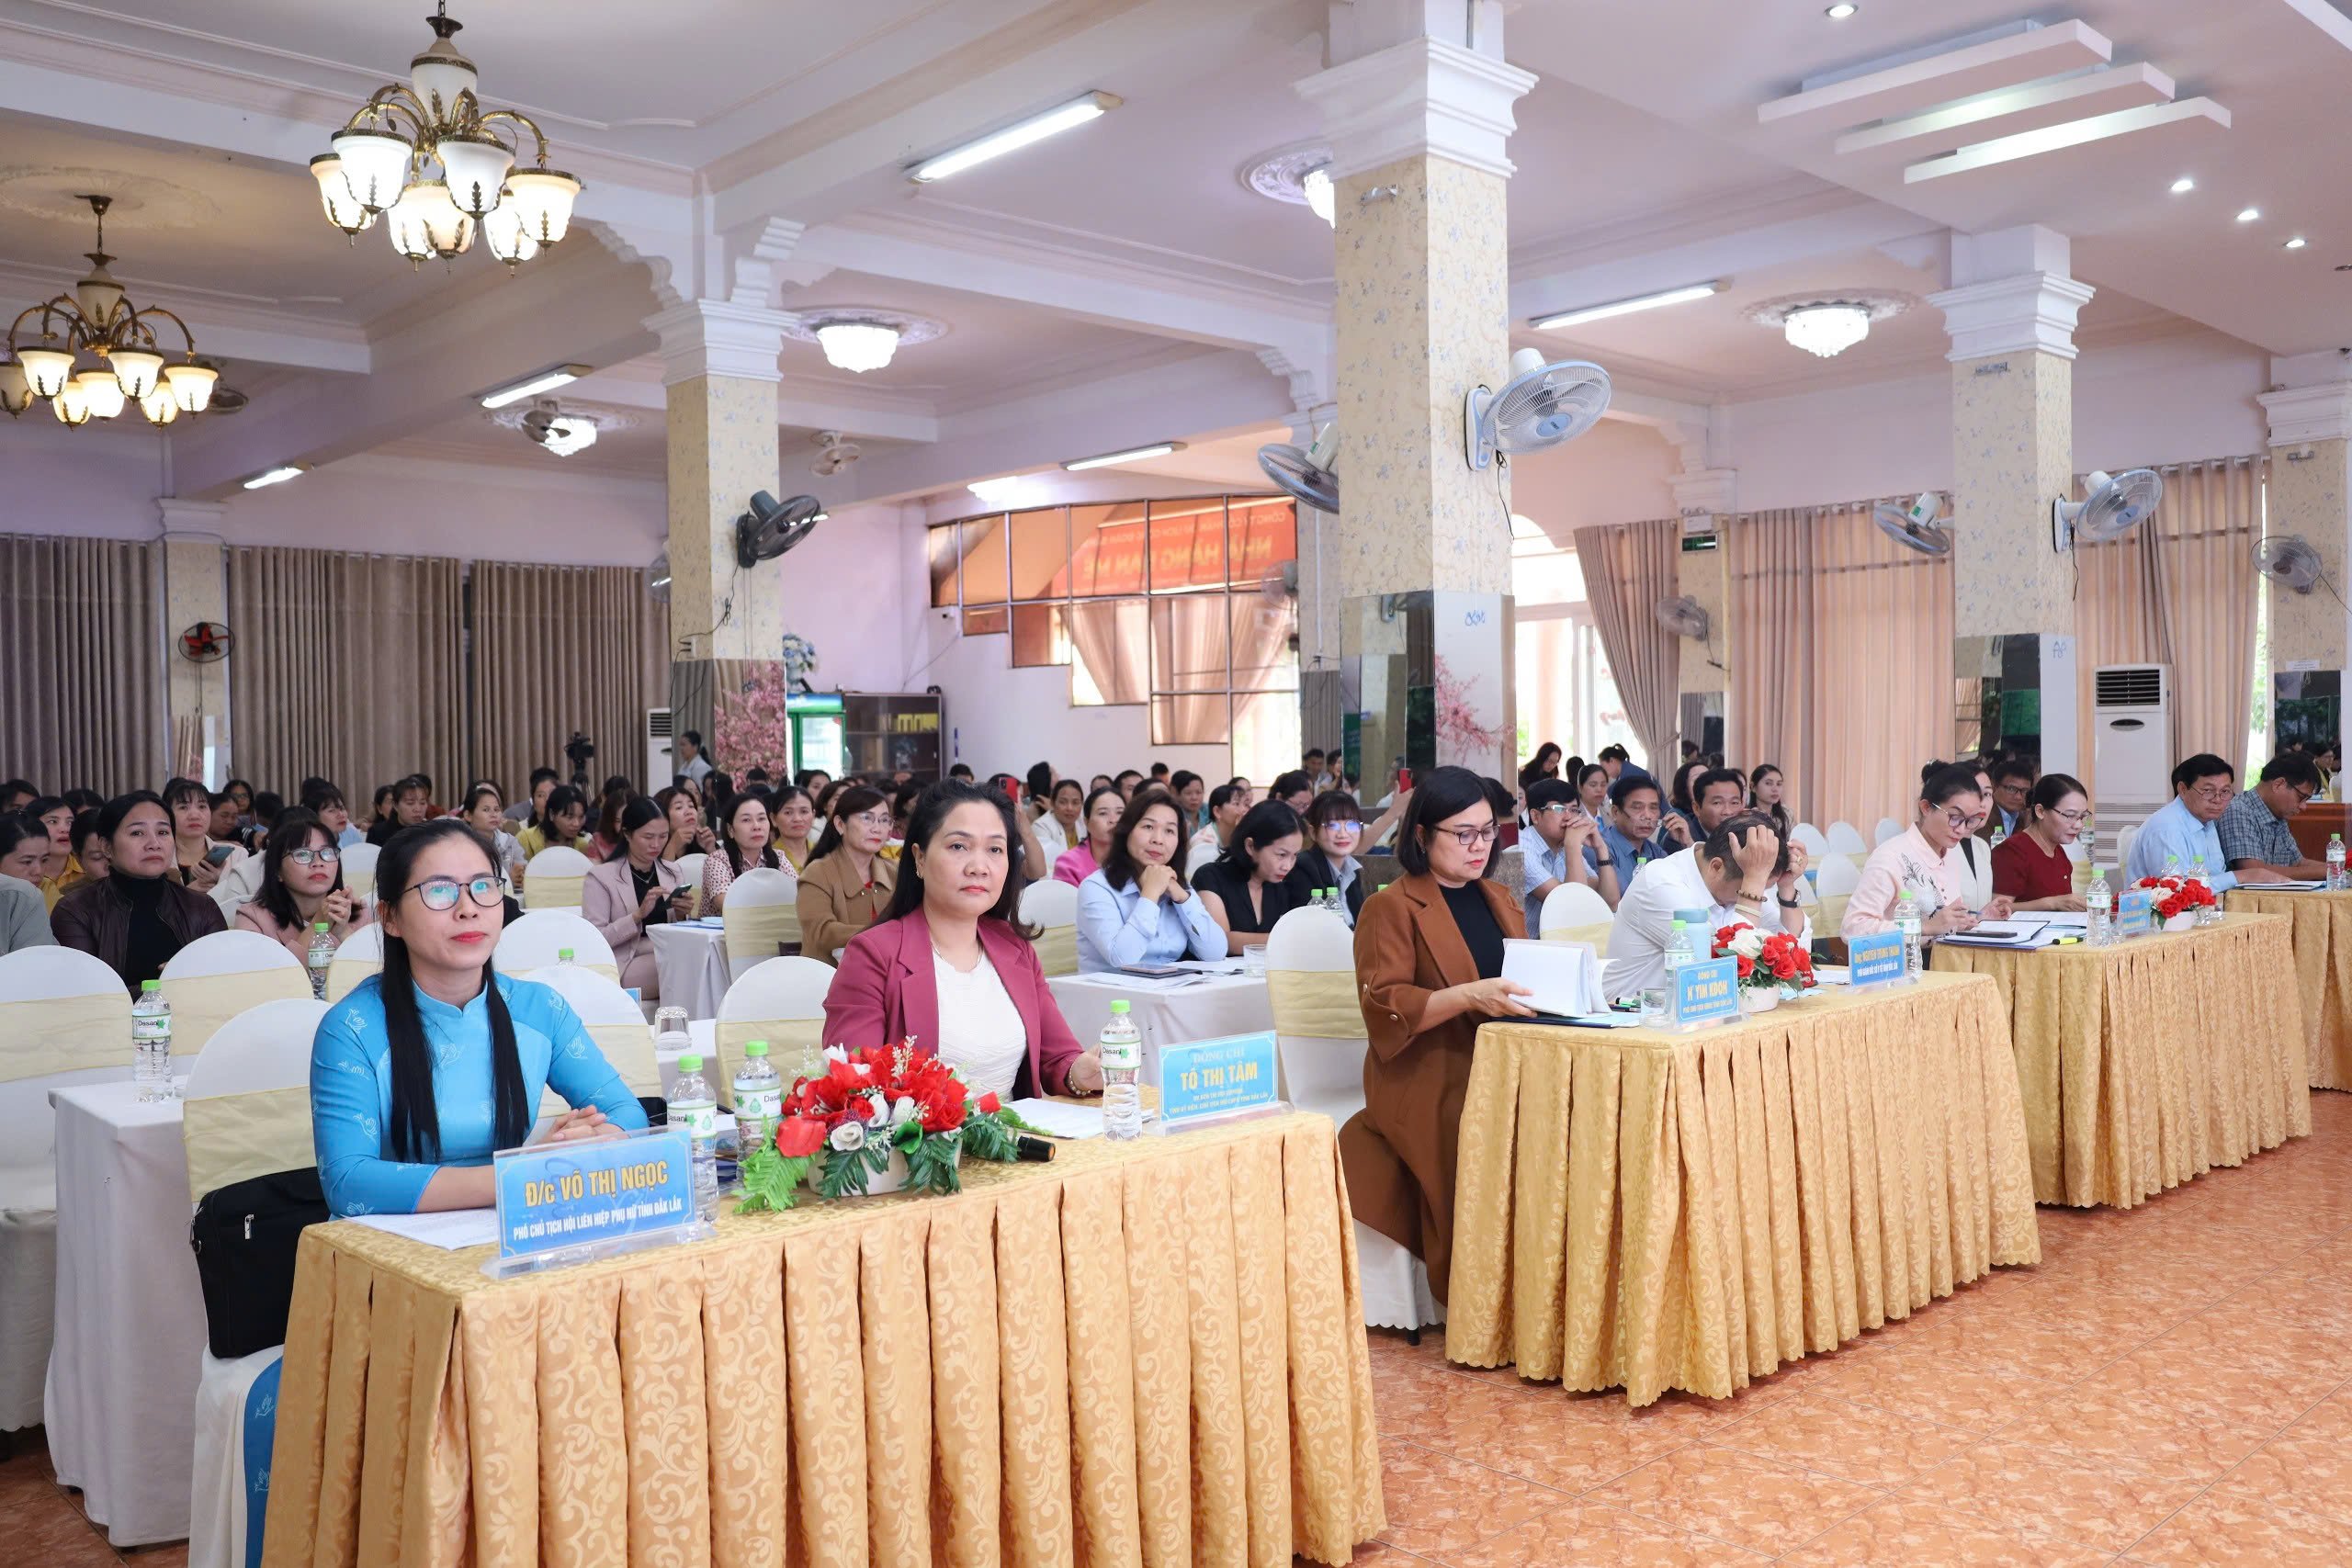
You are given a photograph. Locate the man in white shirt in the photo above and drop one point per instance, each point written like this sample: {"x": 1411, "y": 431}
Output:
{"x": 1740, "y": 873}
{"x": 691, "y": 763}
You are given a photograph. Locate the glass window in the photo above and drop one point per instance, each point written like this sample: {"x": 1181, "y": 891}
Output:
{"x": 1265, "y": 648}
{"x": 985, "y": 580}
{"x": 944, "y": 575}
{"x": 1040, "y": 543}
{"x": 1190, "y": 643}
{"x": 1265, "y": 734}
{"x": 1110, "y": 653}
{"x": 1040, "y": 634}
{"x": 1187, "y": 544}
{"x": 1189, "y": 721}
{"x": 986, "y": 620}
{"x": 1106, "y": 549}
{"x": 1264, "y": 534}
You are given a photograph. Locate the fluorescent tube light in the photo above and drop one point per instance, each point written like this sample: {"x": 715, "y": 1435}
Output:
{"x": 2183, "y": 186}
{"x": 993, "y": 490}
{"x": 277, "y": 476}
{"x": 544, "y": 382}
{"x": 1013, "y": 137}
{"x": 1132, "y": 454}
{"x": 1627, "y": 307}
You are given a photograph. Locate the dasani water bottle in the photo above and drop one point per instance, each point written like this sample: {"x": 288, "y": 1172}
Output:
{"x": 759, "y": 1098}
{"x": 694, "y": 1107}
{"x": 1906, "y": 921}
{"x": 322, "y": 953}
{"x": 1121, "y": 1047}
{"x": 150, "y": 1042}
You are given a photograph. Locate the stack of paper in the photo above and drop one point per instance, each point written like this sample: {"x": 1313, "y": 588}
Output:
{"x": 1562, "y": 977}
{"x": 2022, "y": 933}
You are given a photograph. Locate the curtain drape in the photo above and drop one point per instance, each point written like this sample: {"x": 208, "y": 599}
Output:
{"x": 558, "y": 649}
{"x": 1627, "y": 571}
{"x": 81, "y": 641}
{"x": 1841, "y": 660}
{"x": 347, "y": 666}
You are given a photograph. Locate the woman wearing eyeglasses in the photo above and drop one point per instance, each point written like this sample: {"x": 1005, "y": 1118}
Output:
{"x": 301, "y": 884}
{"x": 2031, "y": 866}
{"x": 1925, "y": 860}
{"x": 427, "y": 1069}
{"x": 1428, "y": 968}
{"x": 1334, "y": 829}
{"x": 846, "y": 884}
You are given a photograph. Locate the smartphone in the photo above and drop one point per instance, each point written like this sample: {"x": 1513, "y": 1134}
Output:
{"x": 219, "y": 854}
{"x": 1403, "y": 778}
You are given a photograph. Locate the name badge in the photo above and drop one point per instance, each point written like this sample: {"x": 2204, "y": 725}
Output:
{"x": 2135, "y": 911}
{"x": 1205, "y": 1079}
{"x": 569, "y": 1202}
{"x": 1875, "y": 960}
{"x": 1706, "y": 992}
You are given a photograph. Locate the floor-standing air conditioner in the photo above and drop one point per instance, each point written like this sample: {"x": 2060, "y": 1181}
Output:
{"x": 2131, "y": 755}
{"x": 661, "y": 768}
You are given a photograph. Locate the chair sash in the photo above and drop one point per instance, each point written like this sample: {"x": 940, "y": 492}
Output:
{"x": 1593, "y": 936}
{"x": 343, "y": 976}
{"x": 753, "y": 930}
{"x": 1057, "y": 950}
{"x": 1829, "y": 919}
{"x": 609, "y": 971}
{"x": 629, "y": 1048}
{"x": 359, "y": 884}
{"x": 202, "y": 1003}
{"x": 235, "y": 1138}
{"x": 788, "y": 1039}
{"x": 1317, "y": 1003}
{"x": 547, "y": 891}
{"x": 63, "y": 1034}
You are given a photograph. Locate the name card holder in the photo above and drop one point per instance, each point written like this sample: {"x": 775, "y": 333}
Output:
{"x": 1876, "y": 961}
{"x": 2135, "y": 911}
{"x": 1703, "y": 994}
{"x": 564, "y": 1204}
{"x": 1203, "y": 1081}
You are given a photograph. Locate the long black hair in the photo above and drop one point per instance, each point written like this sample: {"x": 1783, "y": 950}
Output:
{"x": 640, "y": 810}
{"x": 1259, "y": 826}
{"x": 853, "y": 801}
{"x": 559, "y": 797}
{"x": 414, "y": 1130}
{"x": 292, "y": 831}
{"x": 924, "y": 822}
{"x": 1120, "y": 867}
{"x": 734, "y": 851}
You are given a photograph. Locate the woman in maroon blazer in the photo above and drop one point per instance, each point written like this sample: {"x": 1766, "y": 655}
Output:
{"x": 950, "y": 966}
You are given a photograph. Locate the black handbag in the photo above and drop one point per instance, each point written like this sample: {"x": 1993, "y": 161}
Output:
{"x": 244, "y": 1235}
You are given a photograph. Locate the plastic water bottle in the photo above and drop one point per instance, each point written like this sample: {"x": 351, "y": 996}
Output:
{"x": 759, "y": 1098}
{"x": 2207, "y": 914}
{"x": 1122, "y": 1046}
{"x": 2098, "y": 904}
{"x": 694, "y": 1107}
{"x": 321, "y": 954}
{"x": 1906, "y": 921}
{"x": 150, "y": 1042}
{"x": 2336, "y": 880}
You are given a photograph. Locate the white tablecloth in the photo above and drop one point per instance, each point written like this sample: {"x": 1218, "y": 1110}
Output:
{"x": 130, "y": 1333}
{"x": 1207, "y": 1009}
{"x": 693, "y": 965}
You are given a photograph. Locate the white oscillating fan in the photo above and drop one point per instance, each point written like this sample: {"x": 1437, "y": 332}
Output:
{"x": 1916, "y": 526}
{"x": 1542, "y": 404}
{"x": 1309, "y": 475}
{"x": 2111, "y": 507}
{"x": 1684, "y": 616}
{"x": 2290, "y": 562}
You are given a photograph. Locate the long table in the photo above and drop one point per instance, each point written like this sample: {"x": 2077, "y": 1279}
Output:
{"x": 1650, "y": 1211}
{"x": 1140, "y": 1352}
{"x": 2323, "y": 944}
{"x": 2147, "y": 1064}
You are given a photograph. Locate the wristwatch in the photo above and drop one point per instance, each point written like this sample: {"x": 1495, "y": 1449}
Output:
{"x": 1789, "y": 904}
{"x": 1607, "y": 864}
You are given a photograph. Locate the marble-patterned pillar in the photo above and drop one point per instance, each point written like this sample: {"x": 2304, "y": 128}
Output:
{"x": 2310, "y": 495}
{"x": 1417, "y": 126}
{"x": 196, "y": 588}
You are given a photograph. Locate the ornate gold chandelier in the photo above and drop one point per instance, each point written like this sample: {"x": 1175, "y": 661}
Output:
{"x": 424, "y": 155}
{"x": 100, "y": 320}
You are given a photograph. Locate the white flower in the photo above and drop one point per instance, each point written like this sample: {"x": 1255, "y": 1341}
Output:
{"x": 904, "y": 1111}
{"x": 1747, "y": 942}
{"x": 848, "y": 1137}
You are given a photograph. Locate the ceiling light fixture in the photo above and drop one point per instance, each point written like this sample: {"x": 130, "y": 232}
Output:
{"x": 1013, "y": 137}
{"x": 1827, "y": 324}
{"x": 99, "y": 318}
{"x": 1841, "y": 11}
{"x": 277, "y": 476}
{"x": 2183, "y": 186}
{"x": 544, "y": 382}
{"x": 2249, "y": 214}
{"x": 1626, "y": 307}
{"x": 857, "y": 345}
{"x": 859, "y": 338}
{"x": 425, "y": 151}
{"x": 2297, "y": 243}
{"x": 1322, "y": 197}
{"x": 995, "y": 491}
{"x": 1132, "y": 454}
{"x": 561, "y": 433}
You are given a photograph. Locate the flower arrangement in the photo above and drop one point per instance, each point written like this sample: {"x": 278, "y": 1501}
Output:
{"x": 1772, "y": 959}
{"x": 2178, "y": 895}
{"x": 843, "y": 1128}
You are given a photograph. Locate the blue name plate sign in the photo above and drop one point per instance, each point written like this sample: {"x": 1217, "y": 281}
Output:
{"x": 566, "y": 1202}
{"x": 2135, "y": 911}
{"x": 1204, "y": 1079}
{"x": 1706, "y": 992}
{"x": 1875, "y": 960}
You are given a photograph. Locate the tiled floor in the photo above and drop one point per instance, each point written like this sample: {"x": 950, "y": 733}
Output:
{"x": 41, "y": 1524}
{"x": 2170, "y": 1386}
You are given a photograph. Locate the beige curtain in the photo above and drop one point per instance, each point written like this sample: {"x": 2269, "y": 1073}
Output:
{"x": 1841, "y": 661}
{"x": 558, "y": 649}
{"x": 1627, "y": 571}
{"x": 81, "y": 648}
{"x": 347, "y": 666}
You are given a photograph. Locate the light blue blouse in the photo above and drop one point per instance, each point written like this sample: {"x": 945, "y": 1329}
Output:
{"x": 351, "y": 1086}
{"x": 1118, "y": 927}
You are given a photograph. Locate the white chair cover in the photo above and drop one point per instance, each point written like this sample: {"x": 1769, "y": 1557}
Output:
{"x": 359, "y": 869}
{"x": 1573, "y": 904}
{"x": 689, "y": 869}
{"x": 1845, "y": 839}
{"x": 1811, "y": 837}
{"x": 551, "y": 878}
{"x": 1838, "y": 875}
{"x": 535, "y": 941}
{"x": 248, "y": 1098}
{"x": 215, "y": 977}
{"x": 222, "y": 1512}
{"x": 762, "y": 911}
{"x": 780, "y": 1000}
{"x": 361, "y": 954}
{"x": 1051, "y": 908}
{"x": 1888, "y": 828}
{"x": 615, "y": 1022}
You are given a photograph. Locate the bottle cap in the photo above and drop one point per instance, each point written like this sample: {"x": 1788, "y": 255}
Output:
{"x": 563, "y": 954}
{"x": 1117, "y": 1007}
{"x": 317, "y": 925}
{"x": 690, "y": 1063}
{"x": 755, "y": 1047}
{"x": 146, "y": 986}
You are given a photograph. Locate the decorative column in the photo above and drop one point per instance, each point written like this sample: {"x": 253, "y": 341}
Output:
{"x": 1421, "y": 548}
{"x": 196, "y": 589}
{"x": 2011, "y": 313}
{"x": 2310, "y": 495}
{"x": 719, "y": 374}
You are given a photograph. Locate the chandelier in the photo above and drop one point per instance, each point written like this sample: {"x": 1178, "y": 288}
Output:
{"x": 857, "y": 346}
{"x": 425, "y": 156}
{"x": 1825, "y": 325}
{"x": 123, "y": 366}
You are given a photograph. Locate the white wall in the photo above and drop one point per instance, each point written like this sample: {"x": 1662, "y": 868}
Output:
{"x": 1616, "y": 472}
{"x": 474, "y": 512}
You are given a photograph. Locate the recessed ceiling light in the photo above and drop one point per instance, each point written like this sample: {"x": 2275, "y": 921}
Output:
{"x": 2249, "y": 214}
{"x": 2183, "y": 186}
{"x": 1841, "y": 11}
{"x": 2297, "y": 243}
{"x": 1013, "y": 137}
{"x": 1626, "y": 307}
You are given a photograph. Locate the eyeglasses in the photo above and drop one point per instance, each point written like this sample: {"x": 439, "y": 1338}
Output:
{"x": 327, "y": 856}
{"x": 2071, "y": 816}
{"x": 1471, "y": 837}
{"x": 1964, "y": 824}
{"x": 1337, "y": 826}
{"x": 2212, "y": 797}
{"x": 1557, "y": 808}
{"x": 2302, "y": 795}
{"x": 874, "y": 819}
{"x": 439, "y": 894}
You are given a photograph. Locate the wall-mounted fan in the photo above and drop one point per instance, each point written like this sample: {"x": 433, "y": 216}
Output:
{"x": 1684, "y": 616}
{"x": 837, "y": 452}
{"x": 773, "y": 526}
{"x": 1542, "y": 405}
{"x": 657, "y": 579}
{"x": 207, "y": 642}
{"x": 2289, "y": 560}
{"x": 1309, "y": 475}
{"x": 1917, "y": 527}
{"x": 1278, "y": 585}
{"x": 2111, "y": 507}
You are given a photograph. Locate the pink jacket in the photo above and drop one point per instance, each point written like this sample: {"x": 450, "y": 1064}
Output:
{"x": 1074, "y": 866}
{"x": 886, "y": 991}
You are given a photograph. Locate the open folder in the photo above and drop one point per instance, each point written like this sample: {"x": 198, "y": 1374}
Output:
{"x": 1563, "y": 976}
{"x": 2004, "y": 933}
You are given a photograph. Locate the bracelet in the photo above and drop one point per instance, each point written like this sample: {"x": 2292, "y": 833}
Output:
{"x": 1747, "y": 898}
{"x": 1789, "y": 904}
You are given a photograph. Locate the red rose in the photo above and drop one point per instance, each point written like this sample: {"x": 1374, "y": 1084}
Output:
{"x": 991, "y": 1105}
{"x": 797, "y": 1138}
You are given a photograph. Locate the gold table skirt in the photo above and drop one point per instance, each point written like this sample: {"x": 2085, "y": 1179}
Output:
{"x": 1649, "y": 1211}
{"x": 1148, "y": 1353}
{"x": 2147, "y": 1064}
{"x": 2322, "y": 939}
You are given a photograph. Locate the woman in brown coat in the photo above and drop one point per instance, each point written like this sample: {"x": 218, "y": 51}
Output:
{"x": 1429, "y": 958}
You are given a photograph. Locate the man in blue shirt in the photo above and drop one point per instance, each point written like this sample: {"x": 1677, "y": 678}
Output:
{"x": 1629, "y": 836}
{"x": 1555, "y": 853}
{"x": 2182, "y": 834}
